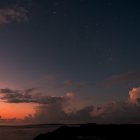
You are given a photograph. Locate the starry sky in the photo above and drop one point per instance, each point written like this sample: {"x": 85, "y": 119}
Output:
{"x": 88, "y": 49}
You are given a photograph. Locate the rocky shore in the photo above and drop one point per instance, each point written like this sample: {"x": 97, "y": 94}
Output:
{"x": 93, "y": 132}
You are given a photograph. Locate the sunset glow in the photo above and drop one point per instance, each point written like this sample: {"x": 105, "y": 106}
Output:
{"x": 9, "y": 111}
{"x": 67, "y": 61}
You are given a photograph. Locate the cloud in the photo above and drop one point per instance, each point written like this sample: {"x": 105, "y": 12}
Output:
{"x": 83, "y": 115}
{"x": 70, "y": 94}
{"x": 55, "y": 113}
{"x": 17, "y": 96}
{"x": 134, "y": 95}
{"x": 30, "y": 96}
{"x": 68, "y": 82}
{"x": 127, "y": 111}
{"x": 78, "y": 86}
{"x": 52, "y": 112}
{"x": 117, "y": 112}
{"x": 125, "y": 78}
{"x": 60, "y": 110}
{"x": 14, "y": 13}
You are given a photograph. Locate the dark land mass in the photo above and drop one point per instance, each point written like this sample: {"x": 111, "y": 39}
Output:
{"x": 93, "y": 132}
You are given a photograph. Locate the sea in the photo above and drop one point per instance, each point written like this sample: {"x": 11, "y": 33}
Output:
{"x": 24, "y": 132}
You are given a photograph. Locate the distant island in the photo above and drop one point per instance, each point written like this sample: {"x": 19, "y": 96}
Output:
{"x": 93, "y": 132}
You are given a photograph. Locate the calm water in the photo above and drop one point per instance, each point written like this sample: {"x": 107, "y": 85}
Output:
{"x": 23, "y": 133}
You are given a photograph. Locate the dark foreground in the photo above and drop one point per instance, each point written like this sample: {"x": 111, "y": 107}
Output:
{"x": 93, "y": 132}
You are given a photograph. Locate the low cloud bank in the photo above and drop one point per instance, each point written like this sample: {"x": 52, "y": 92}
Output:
{"x": 59, "y": 109}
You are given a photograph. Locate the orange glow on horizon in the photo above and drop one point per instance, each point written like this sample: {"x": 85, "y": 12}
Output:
{"x": 18, "y": 111}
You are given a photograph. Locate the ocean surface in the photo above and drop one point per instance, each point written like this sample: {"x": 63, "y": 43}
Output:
{"x": 24, "y": 132}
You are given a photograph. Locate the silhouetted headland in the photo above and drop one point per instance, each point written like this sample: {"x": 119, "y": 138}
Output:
{"x": 93, "y": 132}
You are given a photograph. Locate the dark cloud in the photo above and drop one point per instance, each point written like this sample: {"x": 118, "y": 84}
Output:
{"x": 60, "y": 110}
{"x": 17, "y": 96}
{"x": 125, "y": 78}
{"x": 6, "y": 90}
{"x": 55, "y": 113}
{"x": 14, "y": 13}
{"x": 118, "y": 112}
{"x": 127, "y": 111}
{"x": 78, "y": 86}
{"x": 69, "y": 82}
{"x": 52, "y": 113}
{"x": 30, "y": 96}
{"x": 83, "y": 115}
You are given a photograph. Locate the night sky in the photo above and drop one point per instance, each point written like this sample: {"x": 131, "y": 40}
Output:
{"x": 86, "y": 51}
